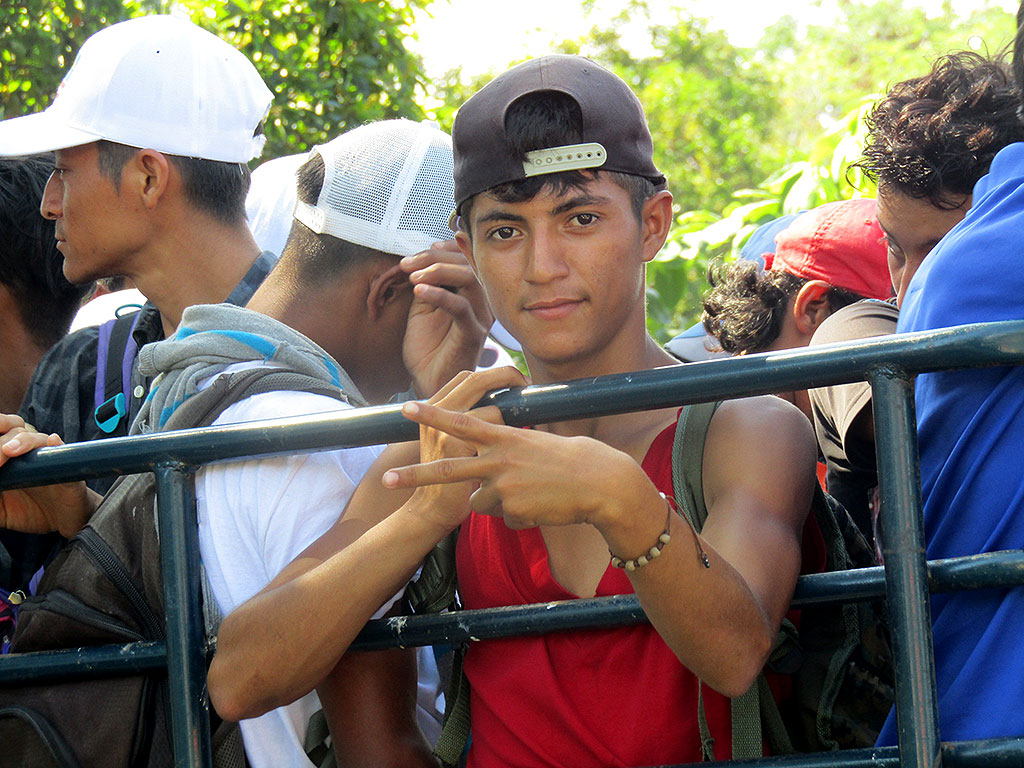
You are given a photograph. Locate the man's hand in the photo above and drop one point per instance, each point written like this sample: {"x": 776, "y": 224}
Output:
{"x": 448, "y": 320}
{"x": 65, "y": 507}
{"x": 529, "y": 477}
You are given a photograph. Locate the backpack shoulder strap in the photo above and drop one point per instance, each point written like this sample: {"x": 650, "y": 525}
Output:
{"x": 688, "y": 486}
{"x": 688, "y": 460}
{"x": 203, "y": 408}
{"x": 115, "y": 356}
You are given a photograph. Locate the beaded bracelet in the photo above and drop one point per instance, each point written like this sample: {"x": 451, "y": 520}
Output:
{"x": 663, "y": 539}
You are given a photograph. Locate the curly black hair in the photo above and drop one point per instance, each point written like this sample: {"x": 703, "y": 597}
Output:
{"x": 745, "y": 307}
{"x": 933, "y": 137}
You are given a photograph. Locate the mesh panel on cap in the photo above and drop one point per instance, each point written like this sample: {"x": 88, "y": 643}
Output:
{"x": 388, "y": 186}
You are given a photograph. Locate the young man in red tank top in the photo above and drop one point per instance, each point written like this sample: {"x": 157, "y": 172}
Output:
{"x": 560, "y": 206}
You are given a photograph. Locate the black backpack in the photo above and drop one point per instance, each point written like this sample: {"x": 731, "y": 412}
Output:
{"x": 840, "y": 660}
{"x": 105, "y": 588}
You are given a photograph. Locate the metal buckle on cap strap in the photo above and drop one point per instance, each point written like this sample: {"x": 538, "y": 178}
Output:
{"x": 567, "y": 158}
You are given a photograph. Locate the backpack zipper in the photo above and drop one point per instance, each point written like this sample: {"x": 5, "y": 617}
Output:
{"x": 100, "y": 553}
{"x": 64, "y": 603}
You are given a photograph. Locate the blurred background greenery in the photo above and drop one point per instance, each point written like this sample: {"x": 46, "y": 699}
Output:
{"x": 744, "y": 133}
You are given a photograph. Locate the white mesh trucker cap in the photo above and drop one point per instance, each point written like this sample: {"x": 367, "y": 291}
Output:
{"x": 388, "y": 185}
{"x": 156, "y": 82}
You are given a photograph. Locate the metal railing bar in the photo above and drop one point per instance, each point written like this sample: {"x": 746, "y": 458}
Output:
{"x": 186, "y": 635}
{"x": 998, "y": 569}
{"x": 82, "y": 664}
{"x": 984, "y": 753}
{"x": 987, "y": 571}
{"x": 906, "y": 574}
{"x": 967, "y": 346}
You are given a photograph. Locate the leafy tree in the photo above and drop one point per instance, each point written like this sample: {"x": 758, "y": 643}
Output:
{"x": 332, "y": 64}
{"x": 820, "y": 72}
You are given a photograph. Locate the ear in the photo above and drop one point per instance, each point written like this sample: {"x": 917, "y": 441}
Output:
{"x": 385, "y": 288}
{"x": 465, "y": 242}
{"x": 150, "y": 173}
{"x": 811, "y": 307}
{"x": 655, "y": 223}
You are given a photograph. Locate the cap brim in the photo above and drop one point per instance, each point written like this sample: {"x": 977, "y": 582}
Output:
{"x": 41, "y": 132}
{"x": 692, "y": 346}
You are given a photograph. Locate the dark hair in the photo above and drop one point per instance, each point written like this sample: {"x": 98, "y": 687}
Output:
{"x": 1018, "y": 47}
{"x": 216, "y": 188}
{"x": 554, "y": 119}
{"x": 313, "y": 257}
{"x": 31, "y": 267}
{"x": 746, "y": 305}
{"x": 933, "y": 137}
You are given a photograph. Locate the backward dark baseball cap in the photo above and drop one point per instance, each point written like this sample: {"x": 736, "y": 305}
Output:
{"x": 615, "y": 133}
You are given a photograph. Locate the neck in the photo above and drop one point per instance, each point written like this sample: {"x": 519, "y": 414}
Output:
{"x": 643, "y": 355}
{"x": 21, "y": 356}
{"x": 196, "y": 265}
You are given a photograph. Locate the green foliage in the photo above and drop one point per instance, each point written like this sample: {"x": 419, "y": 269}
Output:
{"x": 332, "y": 64}
{"x": 700, "y": 238}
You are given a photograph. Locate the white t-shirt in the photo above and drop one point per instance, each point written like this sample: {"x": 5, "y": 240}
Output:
{"x": 255, "y": 516}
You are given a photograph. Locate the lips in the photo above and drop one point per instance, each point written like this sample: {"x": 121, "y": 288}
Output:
{"x": 553, "y": 309}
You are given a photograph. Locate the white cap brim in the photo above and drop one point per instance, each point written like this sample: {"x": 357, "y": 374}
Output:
{"x": 41, "y": 132}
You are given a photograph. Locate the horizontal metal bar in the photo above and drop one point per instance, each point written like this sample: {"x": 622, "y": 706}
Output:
{"x": 962, "y": 347}
{"x": 987, "y": 753}
{"x": 82, "y": 663}
{"x": 993, "y": 570}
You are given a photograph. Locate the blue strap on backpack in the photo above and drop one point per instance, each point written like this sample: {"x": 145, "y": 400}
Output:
{"x": 115, "y": 357}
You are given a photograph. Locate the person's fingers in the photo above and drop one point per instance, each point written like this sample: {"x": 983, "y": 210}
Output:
{"x": 459, "y": 307}
{"x": 447, "y": 251}
{"x": 458, "y": 424}
{"x": 452, "y": 384}
{"x": 20, "y": 441}
{"x": 474, "y": 385}
{"x": 440, "y": 472}
{"x": 452, "y": 276}
{"x": 9, "y": 421}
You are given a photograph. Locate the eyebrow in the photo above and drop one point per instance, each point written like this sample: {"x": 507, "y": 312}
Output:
{"x": 499, "y": 215}
{"x": 578, "y": 202}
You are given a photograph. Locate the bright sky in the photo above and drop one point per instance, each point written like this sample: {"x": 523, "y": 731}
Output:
{"x": 487, "y": 35}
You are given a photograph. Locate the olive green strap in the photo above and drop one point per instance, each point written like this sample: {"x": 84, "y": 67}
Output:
{"x": 455, "y": 729}
{"x": 707, "y": 741}
{"x": 746, "y": 724}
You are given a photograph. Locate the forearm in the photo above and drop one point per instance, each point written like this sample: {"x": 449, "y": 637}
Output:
{"x": 707, "y": 615}
{"x": 326, "y": 607}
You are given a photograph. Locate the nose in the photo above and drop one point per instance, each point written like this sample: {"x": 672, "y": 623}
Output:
{"x": 50, "y": 205}
{"x": 546, "y": 258}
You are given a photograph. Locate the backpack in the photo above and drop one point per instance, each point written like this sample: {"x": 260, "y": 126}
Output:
{"x": 840, "y": 660}
{"x": 105, "y": 588}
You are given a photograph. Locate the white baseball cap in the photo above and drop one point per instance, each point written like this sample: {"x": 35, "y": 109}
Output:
{"x": 154, "y": 82}
{"x": 388, "y": 185}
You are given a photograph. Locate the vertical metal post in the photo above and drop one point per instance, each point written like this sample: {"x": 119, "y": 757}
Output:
{"x": 186, "y": 658}
{"x": 906, "y": 575}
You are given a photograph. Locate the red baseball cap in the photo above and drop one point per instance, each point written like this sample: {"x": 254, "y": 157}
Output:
{"x": 840, "y": 243}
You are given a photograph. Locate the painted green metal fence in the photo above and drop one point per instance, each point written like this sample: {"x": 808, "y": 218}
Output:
{"x": 888, "y": 363}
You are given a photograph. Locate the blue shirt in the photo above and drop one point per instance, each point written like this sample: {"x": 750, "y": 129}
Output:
{"x": 971, "y": 435}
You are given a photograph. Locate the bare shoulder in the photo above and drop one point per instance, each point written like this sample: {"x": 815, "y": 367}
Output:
{"x": 762, "y": 444}
{"x": 764, "y": 417}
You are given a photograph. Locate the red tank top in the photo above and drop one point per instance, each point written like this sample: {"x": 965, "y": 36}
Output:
{"x": 610, "y": 697}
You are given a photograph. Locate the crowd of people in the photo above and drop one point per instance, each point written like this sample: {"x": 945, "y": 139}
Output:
{"x": 398, "y": 248}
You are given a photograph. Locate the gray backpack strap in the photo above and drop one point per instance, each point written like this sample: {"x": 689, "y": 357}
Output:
{"x": 201, "y": 410}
